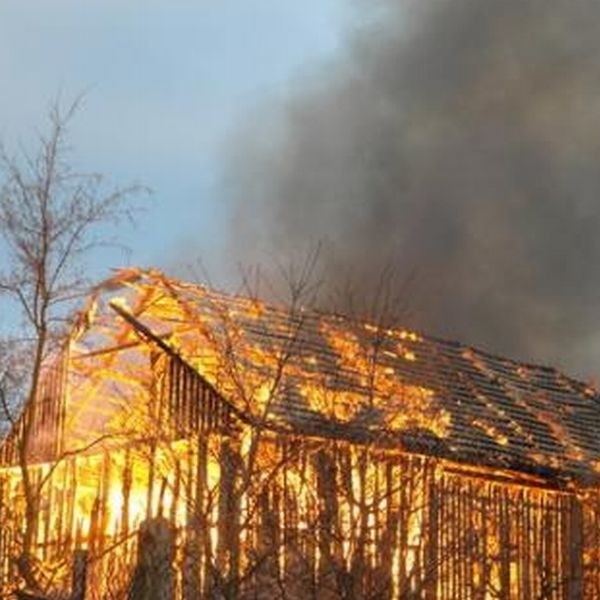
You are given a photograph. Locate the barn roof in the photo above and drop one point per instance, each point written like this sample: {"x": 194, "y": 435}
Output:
{"x": 320, "y": 374}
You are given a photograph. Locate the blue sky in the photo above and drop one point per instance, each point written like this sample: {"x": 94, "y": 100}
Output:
{"x": 166, "y": 85}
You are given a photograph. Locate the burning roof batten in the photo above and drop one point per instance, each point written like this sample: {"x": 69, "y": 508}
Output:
{"x": 419, "y": 392}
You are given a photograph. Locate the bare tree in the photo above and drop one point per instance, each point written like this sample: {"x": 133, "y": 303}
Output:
{"x": 51, "y": 217}
{"x": 263, "y": 473}
{"x": 246, "y": 478}
{"x": 233, "y": 497}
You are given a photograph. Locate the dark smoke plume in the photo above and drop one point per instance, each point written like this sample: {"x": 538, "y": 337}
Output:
{"x": 461, "y": 138}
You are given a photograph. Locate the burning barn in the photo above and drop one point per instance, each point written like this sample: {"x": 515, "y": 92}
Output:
{"x": 266, "y": 452}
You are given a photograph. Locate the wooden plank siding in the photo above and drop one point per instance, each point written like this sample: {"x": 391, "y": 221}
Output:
{"x": 501, "y": 502}
{"x": 45, "y": 416}
{"x": 322, "y": 518}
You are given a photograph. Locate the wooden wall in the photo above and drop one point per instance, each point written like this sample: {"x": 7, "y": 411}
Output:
{"x": 43, "y": 418}
{"x": 259, "y": 515}
{"x": 321, "y": 520}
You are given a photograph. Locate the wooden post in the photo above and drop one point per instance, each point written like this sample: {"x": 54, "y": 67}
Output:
{"x": 193, "y": 546}
{"x": 79, "y": 574}
{"x": 153, "y": 577}
{"x": 575, "y": 550}
{"x": 228, "y": 549}
{"x": 431, "y": 548}
{"x": 328, "y": 571}
{"x": 504, "y": 523}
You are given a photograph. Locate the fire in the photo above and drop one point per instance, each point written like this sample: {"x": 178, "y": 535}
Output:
{"x": 140, "y": 444}
{"x": 491, "y": 431}
{"x": 403, "y": 406}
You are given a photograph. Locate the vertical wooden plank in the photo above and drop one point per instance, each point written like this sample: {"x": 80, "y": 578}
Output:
{"x": 172, "y": 389}
{"x": 518, "y": 532}
{"x": 79, "y": 570}
{"x": 443, "y": 564}
{"x": 176, "y": 491}
{"x": 358, "y": 567}
{"x": 405, "y": 477}
{"x": 325, "y": 469}
{"x": 466, "y": 539}
{"x": 193, "y": 425}
{"x": 389, "y": 535}
{"x": 126, "y": 482}
{"x": 432, "y": 550}
{"x": 228, "y": 546}
{"x": 203, "y": 410}
{"x": 505, "y": 527}
{"x": 460, "y": 540}
{"x": 575, "y": 576}
{"x": 191, "y": 562}
{"x": 452, "y": 529}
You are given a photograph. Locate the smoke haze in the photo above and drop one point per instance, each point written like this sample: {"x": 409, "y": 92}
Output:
{"x": 461, "y": 140}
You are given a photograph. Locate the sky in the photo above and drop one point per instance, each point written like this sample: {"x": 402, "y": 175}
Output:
{"x": 456, "y": 140}
{"x": 165, "y": 85}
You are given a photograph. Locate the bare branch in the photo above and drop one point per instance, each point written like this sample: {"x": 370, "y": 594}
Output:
{"x": 50, "y": 219}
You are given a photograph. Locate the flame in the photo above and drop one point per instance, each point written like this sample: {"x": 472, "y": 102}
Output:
{"x": 492, "y": 431}
{"x": 403, "y": 405}
{"x": 360, "y": 375}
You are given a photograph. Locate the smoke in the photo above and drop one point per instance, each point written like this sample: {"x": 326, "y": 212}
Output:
{"x": 459, "y": 139}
